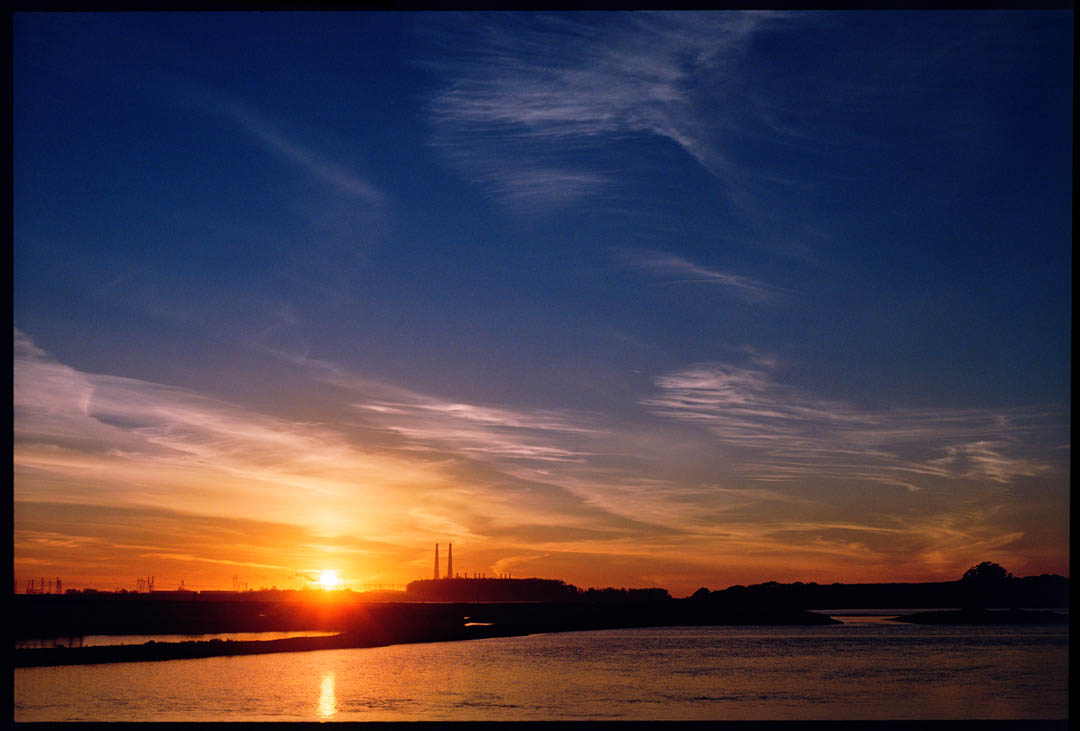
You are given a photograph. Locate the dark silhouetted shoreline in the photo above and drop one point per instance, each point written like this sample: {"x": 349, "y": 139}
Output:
{"x": 1048, "y": 591}
{"x": 360, "y": 625}
{"x": 463, "y": 609}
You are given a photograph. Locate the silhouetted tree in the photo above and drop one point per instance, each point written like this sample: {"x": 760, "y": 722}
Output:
{"x": 986, "y": 572}
{"x": 701, "y": 593}
{"x": 984, "y": 585}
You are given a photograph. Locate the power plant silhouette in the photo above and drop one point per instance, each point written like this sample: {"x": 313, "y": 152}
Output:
{"x": 450, "y": 567}
{"x": 478, "y": 586}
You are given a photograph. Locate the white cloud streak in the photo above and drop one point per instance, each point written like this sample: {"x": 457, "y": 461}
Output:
{"x": 479, "y": 431}
{"x": 675, "y": 269}
{"x": 787, "y": 434}
{"x": 337, "y": 175}
{"x": 273, "y": 139}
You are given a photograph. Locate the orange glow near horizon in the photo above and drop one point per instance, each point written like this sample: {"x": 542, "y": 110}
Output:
{"x": 162, "y": 481}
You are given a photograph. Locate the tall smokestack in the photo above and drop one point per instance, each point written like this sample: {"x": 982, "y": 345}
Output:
{"x": 450, "y": 561}
{"x": 436, "y": 561}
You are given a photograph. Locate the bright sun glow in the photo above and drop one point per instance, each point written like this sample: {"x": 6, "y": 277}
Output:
{"x": 329, "y": 580}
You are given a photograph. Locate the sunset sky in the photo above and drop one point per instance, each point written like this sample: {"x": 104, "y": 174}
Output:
{"x": 621, "y": 299}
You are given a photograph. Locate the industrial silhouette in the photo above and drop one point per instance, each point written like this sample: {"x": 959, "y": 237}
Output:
{"x": 454, "y": 587}
{"x": 49, "y": 586}
{"x": 450, "y": 567}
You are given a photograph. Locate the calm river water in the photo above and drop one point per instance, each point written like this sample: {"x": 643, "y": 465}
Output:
{"x": 860, "y": 670}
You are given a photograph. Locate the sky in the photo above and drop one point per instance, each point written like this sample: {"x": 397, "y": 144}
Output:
{"x": 623, "y": 299}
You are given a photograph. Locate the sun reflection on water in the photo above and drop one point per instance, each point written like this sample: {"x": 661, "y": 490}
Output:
{"x": 327, "y": 698}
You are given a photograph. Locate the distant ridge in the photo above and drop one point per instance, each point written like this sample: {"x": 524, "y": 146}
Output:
{"x": 1048, "y": 591}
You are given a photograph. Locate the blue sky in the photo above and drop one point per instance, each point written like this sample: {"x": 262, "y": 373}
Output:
{"x": 673, "y": 297}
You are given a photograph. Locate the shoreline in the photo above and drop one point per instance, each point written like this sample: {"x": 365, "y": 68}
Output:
{"x": 358, "y": 639}
{"x": 985, "y": 617}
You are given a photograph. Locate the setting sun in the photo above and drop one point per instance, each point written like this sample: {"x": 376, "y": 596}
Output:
{"x": 329, "y": 580}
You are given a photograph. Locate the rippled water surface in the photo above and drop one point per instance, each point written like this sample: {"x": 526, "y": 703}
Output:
{"x": 865, "y": 671}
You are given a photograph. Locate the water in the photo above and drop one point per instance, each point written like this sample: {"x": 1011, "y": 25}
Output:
{"x": 102, "y": 640}
{"x": 860, "y": 670}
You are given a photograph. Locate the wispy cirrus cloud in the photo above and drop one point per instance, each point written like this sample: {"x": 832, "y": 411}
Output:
{"x": 522, "y": 91}
{"x": 146, "y": 443}
{"x": 477, "y": 430}
{"x": 767, "y": 432}
{"x": 787, "y": 434}
{"x": 674, "y": 269}
{"x": 273, "y": 138}
{"x": 550, "y": 185}
{"x": 338, "y": 175}
{"x": 108, "y": 440}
